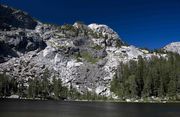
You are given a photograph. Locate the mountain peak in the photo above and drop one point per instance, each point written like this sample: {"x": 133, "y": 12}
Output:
{"x": 104, "y": 29}
{"x": 173, "y": 47}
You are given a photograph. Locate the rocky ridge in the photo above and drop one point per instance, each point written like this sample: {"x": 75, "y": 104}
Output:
{"x": 83, "y": 56}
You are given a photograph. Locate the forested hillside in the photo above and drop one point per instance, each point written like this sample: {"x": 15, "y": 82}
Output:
{"x": 158, "y": 77}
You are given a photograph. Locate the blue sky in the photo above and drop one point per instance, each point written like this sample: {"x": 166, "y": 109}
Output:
{"x": 143, "y": 23}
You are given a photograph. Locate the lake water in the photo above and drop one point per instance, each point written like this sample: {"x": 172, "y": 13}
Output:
{"x": 27, "y": 108}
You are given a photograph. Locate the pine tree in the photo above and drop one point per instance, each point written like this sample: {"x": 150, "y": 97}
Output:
{"x": 21, "y": 88}
{"x": 4, "y": 84}
{"x": 13, "y": 86}
{"x": 45, "y": 83}
{"x": 116, "y": 87}
{"x": 55, "y": 88}
{"x": 147, "y": 91}
{"x": 140, "y": 75}
{"x": 133, "y": 86}
{"x": 178, "y": 88}
{"x": 172, "y": 87}
{"x": 32, "y": 89}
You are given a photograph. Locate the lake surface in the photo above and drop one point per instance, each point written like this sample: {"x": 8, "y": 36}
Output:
{"x": 27, "y": 108}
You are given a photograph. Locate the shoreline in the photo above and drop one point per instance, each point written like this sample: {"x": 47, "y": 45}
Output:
{"x": 102, "y": 101}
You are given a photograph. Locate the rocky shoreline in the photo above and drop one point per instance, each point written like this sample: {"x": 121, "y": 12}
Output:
{"x": 145, "y": 100}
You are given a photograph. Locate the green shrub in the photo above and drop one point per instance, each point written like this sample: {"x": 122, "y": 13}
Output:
{"x": 68, "y": 27}
{"x": 118, "y": 43}
{"x": 97, "y": 47}
{"x": 89, "y": 58}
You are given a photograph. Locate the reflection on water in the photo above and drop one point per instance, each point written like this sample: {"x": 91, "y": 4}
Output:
{"x": 27, "y": 108}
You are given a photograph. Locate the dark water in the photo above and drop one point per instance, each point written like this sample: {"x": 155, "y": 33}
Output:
{"x": 25, "y": 108}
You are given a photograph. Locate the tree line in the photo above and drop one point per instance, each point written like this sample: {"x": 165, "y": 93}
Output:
{"x": 158, "y": 77}
{"x": 42, "y": 88}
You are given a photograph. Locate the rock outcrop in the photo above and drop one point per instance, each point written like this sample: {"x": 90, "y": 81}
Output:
{"x": 173, "y": 47}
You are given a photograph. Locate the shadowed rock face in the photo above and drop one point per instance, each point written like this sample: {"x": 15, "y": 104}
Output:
{"x": 5, "y": 51}
{"x": 10, "y": 18}
{"x": 17, "y": 35}
{"x": 16, "y": 43}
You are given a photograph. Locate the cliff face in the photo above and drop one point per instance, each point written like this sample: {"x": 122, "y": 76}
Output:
{"x": 83, "y": 56}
